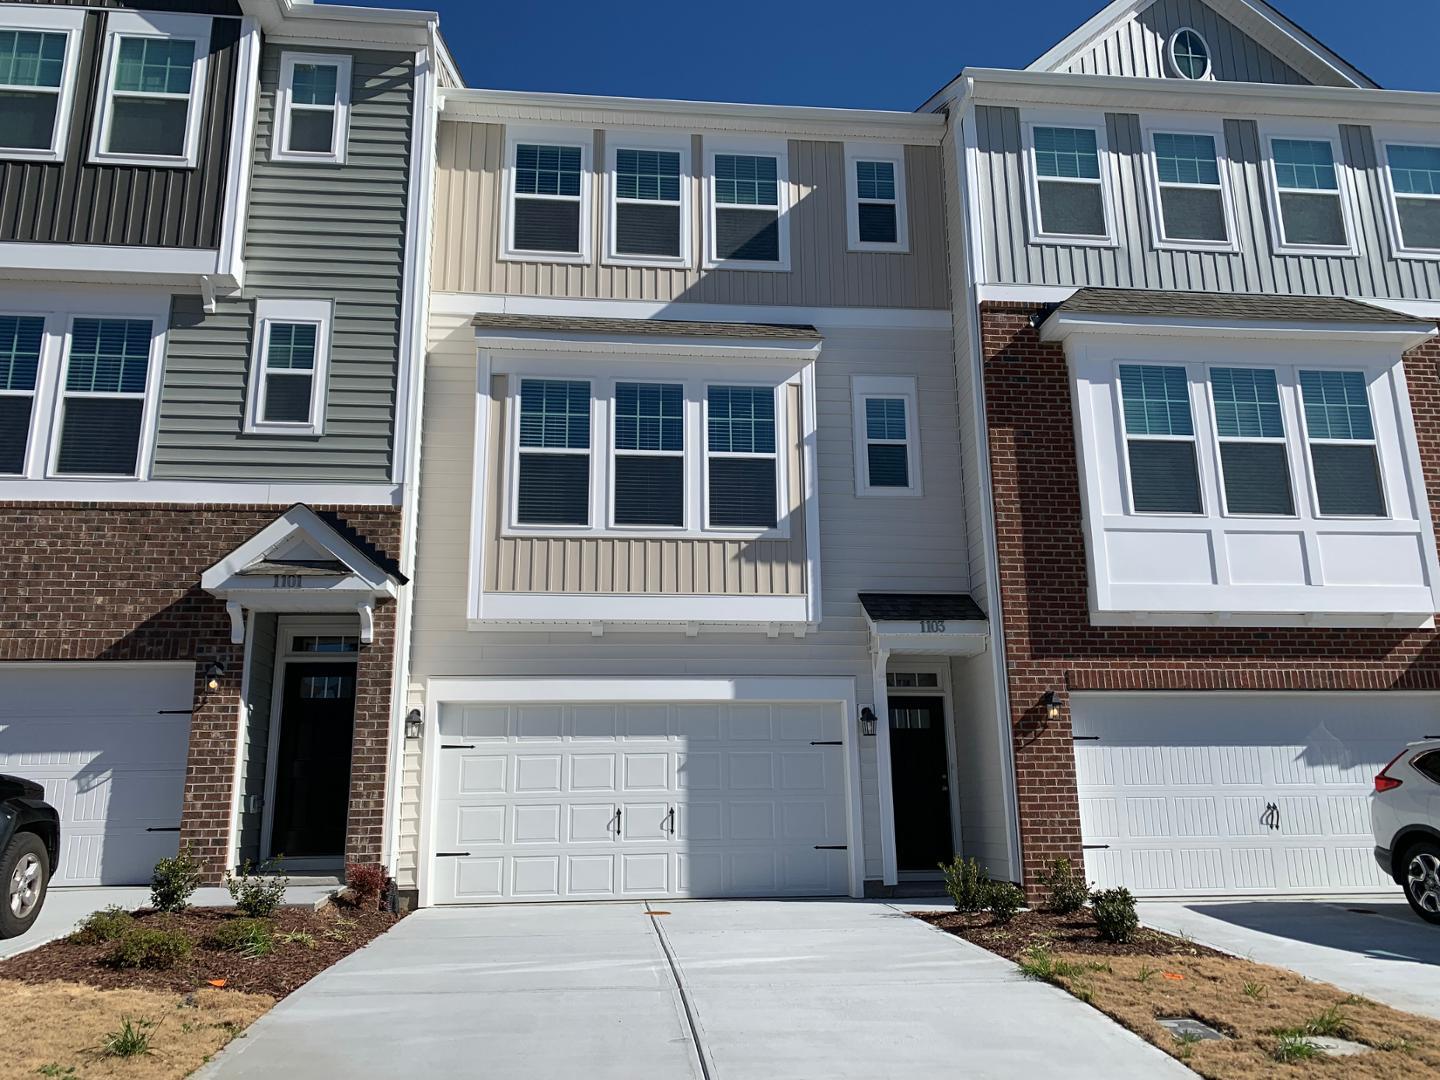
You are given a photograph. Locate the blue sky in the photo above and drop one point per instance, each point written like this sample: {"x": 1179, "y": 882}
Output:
{"x": 840, "y": 53}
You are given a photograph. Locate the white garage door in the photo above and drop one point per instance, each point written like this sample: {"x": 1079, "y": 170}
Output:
{"x": 609, "y": 801}
{"x": 1237, "y": 793}
{"x": 108, "y": 741}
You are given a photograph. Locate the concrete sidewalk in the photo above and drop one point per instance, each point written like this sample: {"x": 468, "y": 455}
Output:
{"x": 786, "y": 990}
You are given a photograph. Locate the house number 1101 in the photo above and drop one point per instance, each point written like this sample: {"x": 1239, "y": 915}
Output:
{"x": 932, "y": 626}
{"x": 287, "y": 581}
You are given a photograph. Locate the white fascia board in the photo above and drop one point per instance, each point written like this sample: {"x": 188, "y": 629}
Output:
{"x": 196, "y": 492}
{"x": 644, "y": 345}
{"x": 103, "y": 264}
{"x": 1025, "y": 294}
{"x": 1132, "y": 94}
{"x": 511, "y": 106}
{"x": 468, "y": 304}
{"x": 642, "y": 610}
{"x": 1283, "y": 620}
{"x": 1060, "y": 327}
{"x": 761, "y": 688}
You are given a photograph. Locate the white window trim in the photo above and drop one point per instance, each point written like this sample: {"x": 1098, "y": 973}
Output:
{"x": 777, "y": 148}
{"x": 1067, "y": 119}
{"x": 320, "y": 313}
{"x": 1287, "y": 424}
{"x": 893, "y": 154}
{"x": 1307, "y": 442}
{"x": 617, "y": 140}
{"x": 1309, "y": 133}
{"x": 71, "y": 23}
{"x": 1426, "y": 137}
{"x": 584, "y": 139}
{"x": 1193, "y": 439}
{"x": 864, "y": 387}
{"x": 602, "y": 449}
{"x": 1174, "y": 68}
{"x": 1154, "y": 187}
{"x": 684, "y": 454}
{"x": 49, "y": 343}
{"x": 120, "y": 24}
{"x": 284, "y": 105}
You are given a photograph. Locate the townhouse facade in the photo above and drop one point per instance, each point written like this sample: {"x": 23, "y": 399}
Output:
{"x": 211, "y": 267}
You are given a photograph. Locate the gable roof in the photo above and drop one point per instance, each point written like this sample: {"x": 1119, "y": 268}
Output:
{"x": 1260, "y": 20}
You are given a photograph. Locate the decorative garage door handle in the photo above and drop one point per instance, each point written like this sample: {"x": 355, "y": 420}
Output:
{"x": 1271, "y": 817}
{"x": 671, "y": 819}
{"x": 618, "y": 812}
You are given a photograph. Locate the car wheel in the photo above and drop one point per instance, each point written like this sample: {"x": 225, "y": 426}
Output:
{"x": 24, "y": 877}
{"x": 1422, "y": 879}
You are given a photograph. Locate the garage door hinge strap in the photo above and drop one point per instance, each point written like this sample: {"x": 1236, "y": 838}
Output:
{"x": 827, "y": 742}
{"x": 1094, "y": 847}
{"x": 457, "y": 746}
{"x": 1084, "y": 738}
{"x": 163, "y": 828}
{"x": 832, "y": 847}
{"x": 451, "y": 854}
{"x": 174, "y": 712}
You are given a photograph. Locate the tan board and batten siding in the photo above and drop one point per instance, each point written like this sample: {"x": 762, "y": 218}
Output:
{"x": 1011, "y": 259}
{"x": 319, "y": 231}
{"x": 853, "y": 533}
{"x": 551, "y": 564}
{"x": 469, "y": 183}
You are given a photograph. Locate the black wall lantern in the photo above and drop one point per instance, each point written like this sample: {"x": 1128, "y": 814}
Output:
{"x": 867, "y": 721}
{"x": 1051, "y": 702}
{"x": 213, "y": 674}
{"x": 414, "y": 724}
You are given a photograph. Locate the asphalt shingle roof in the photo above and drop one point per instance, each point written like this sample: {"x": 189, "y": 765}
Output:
{"x": 647, "y": 327}
{"x": 1232, "y": 306}
{"x": 910, "y": 607}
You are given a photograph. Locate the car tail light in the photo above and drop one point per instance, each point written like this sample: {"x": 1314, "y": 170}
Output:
{"x": 1385, "y": 782}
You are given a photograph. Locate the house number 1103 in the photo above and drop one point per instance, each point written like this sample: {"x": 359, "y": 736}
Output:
{"x": 932, "y": 626}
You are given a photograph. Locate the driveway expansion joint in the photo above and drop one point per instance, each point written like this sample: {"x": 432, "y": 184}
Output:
{"x": 700, "y": 1052}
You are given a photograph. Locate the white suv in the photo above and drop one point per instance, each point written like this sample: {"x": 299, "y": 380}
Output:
{"x": 1405, "y": 815}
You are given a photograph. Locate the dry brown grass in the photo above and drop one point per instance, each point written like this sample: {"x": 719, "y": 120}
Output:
{"x": 1213, "y": 990}
{"x": 54, "y": 1027}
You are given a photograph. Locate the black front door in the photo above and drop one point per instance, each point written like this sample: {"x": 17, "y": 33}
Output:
{"x": 312, "y": 780}
{"x": 920, "y": 779}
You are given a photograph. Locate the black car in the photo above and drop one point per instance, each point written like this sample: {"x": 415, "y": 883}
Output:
{"x": 29, "y": 852}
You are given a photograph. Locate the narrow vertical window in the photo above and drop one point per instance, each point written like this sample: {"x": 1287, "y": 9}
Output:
{"x": 1343, "y": 453}
{"x": 1160, "y": 439}
{"x": 289, "y": 378}
{"x": 103, "y": 397}
{"x": 1192, "y": 200}
{"x": 32, "y": 77}
{"x": 649, "y": 454}
{"x": 648, "y": 203}
{"x": 1251, "y": 431}
{"x": 22, "y": 338}
{"x": 747, "y": 208}
{"x": 312, "y": 108}
{"x": 546, "y": 214}
{"x": 877, "y": 210}
{"x": 887, "y": 443}
{"x": 553, "y": 474}
{"x": 290, "y": 367}
{"x": 1307, "y": 189}
{"x": 741, "y": 459}
{"x": 1070, "y": 194}
{"x": 1415, "y": 185}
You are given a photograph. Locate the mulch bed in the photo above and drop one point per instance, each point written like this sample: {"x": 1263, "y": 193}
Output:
{"x": 1059, "y": 933}
{"x": 337, "y": 933}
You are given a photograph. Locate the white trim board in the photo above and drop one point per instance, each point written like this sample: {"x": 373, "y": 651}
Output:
{"x": 197, "y": 492}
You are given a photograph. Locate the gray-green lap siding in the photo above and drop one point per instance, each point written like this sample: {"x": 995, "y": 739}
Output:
{"x": 312, "y": 231}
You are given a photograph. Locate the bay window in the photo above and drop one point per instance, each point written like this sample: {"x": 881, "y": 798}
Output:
{"x": 649, "y": 454}
{"x": 741, "y": 458}
{"x": 1251, "y": 432}
{"x": 1159, "y": 439}
{"x": 1343, "y": 447}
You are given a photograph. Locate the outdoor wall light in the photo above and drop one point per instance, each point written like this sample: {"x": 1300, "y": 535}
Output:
{"x": 867, "y": 721}
{"x": 414, "y": 724}
{"x": 214, "y": 671}
{"x": 1051, "y": 701}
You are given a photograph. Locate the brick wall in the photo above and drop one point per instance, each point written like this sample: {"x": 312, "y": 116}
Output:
{"x": 1050, "y": 644}
{"x": 93, "y": 581}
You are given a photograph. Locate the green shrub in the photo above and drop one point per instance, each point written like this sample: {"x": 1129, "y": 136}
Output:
{"x": 1066, "y": 886}
{"x": 251, "y": 938}
{"x": 257, "y": 894}
{"x": 150, "y": 949}
{"x": 174, "y": 882}
{"x": 967, "y": 884}
{"x": 111, "y": 924}
{"x": 1003, "y": 899}
{"x": 1115, "y": 916}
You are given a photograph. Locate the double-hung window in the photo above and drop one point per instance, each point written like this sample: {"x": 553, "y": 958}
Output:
{"x": 1251, "y": 431}
{"x": 289, "y": 367}
{"x": 649, "y": 485}
{"x": 1190, "y": 190}
{"x": 549, "y": 199}
{"x": 152, "y": 89}
{"x": 875, "y": 183}
{"x": 1415, "y": 190}
{"x": 887, "y": 444}
{"x": 1343, "y": 451}
{"x": 22, "y": 339}
{"x": 748, "y": 207}
{"x": 37, "y": 69}
{"x": 1159, "y": 439}
{"x": 1308, "y": 200}
{"x": 552, "y": 485}
{"x": 1068, "y": 201}
{"x": 649, "y": 217}
{"x": 741, "y": 460}
{"x": 103, "y": 394}
{"x": 312, "y": 108}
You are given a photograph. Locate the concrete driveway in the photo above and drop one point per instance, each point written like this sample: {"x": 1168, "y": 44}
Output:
{"x": 1378, "y": 949}
{"x": 711, "y": 991}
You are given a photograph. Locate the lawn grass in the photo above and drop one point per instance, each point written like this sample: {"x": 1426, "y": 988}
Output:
{"x": 66, "y": 1030}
